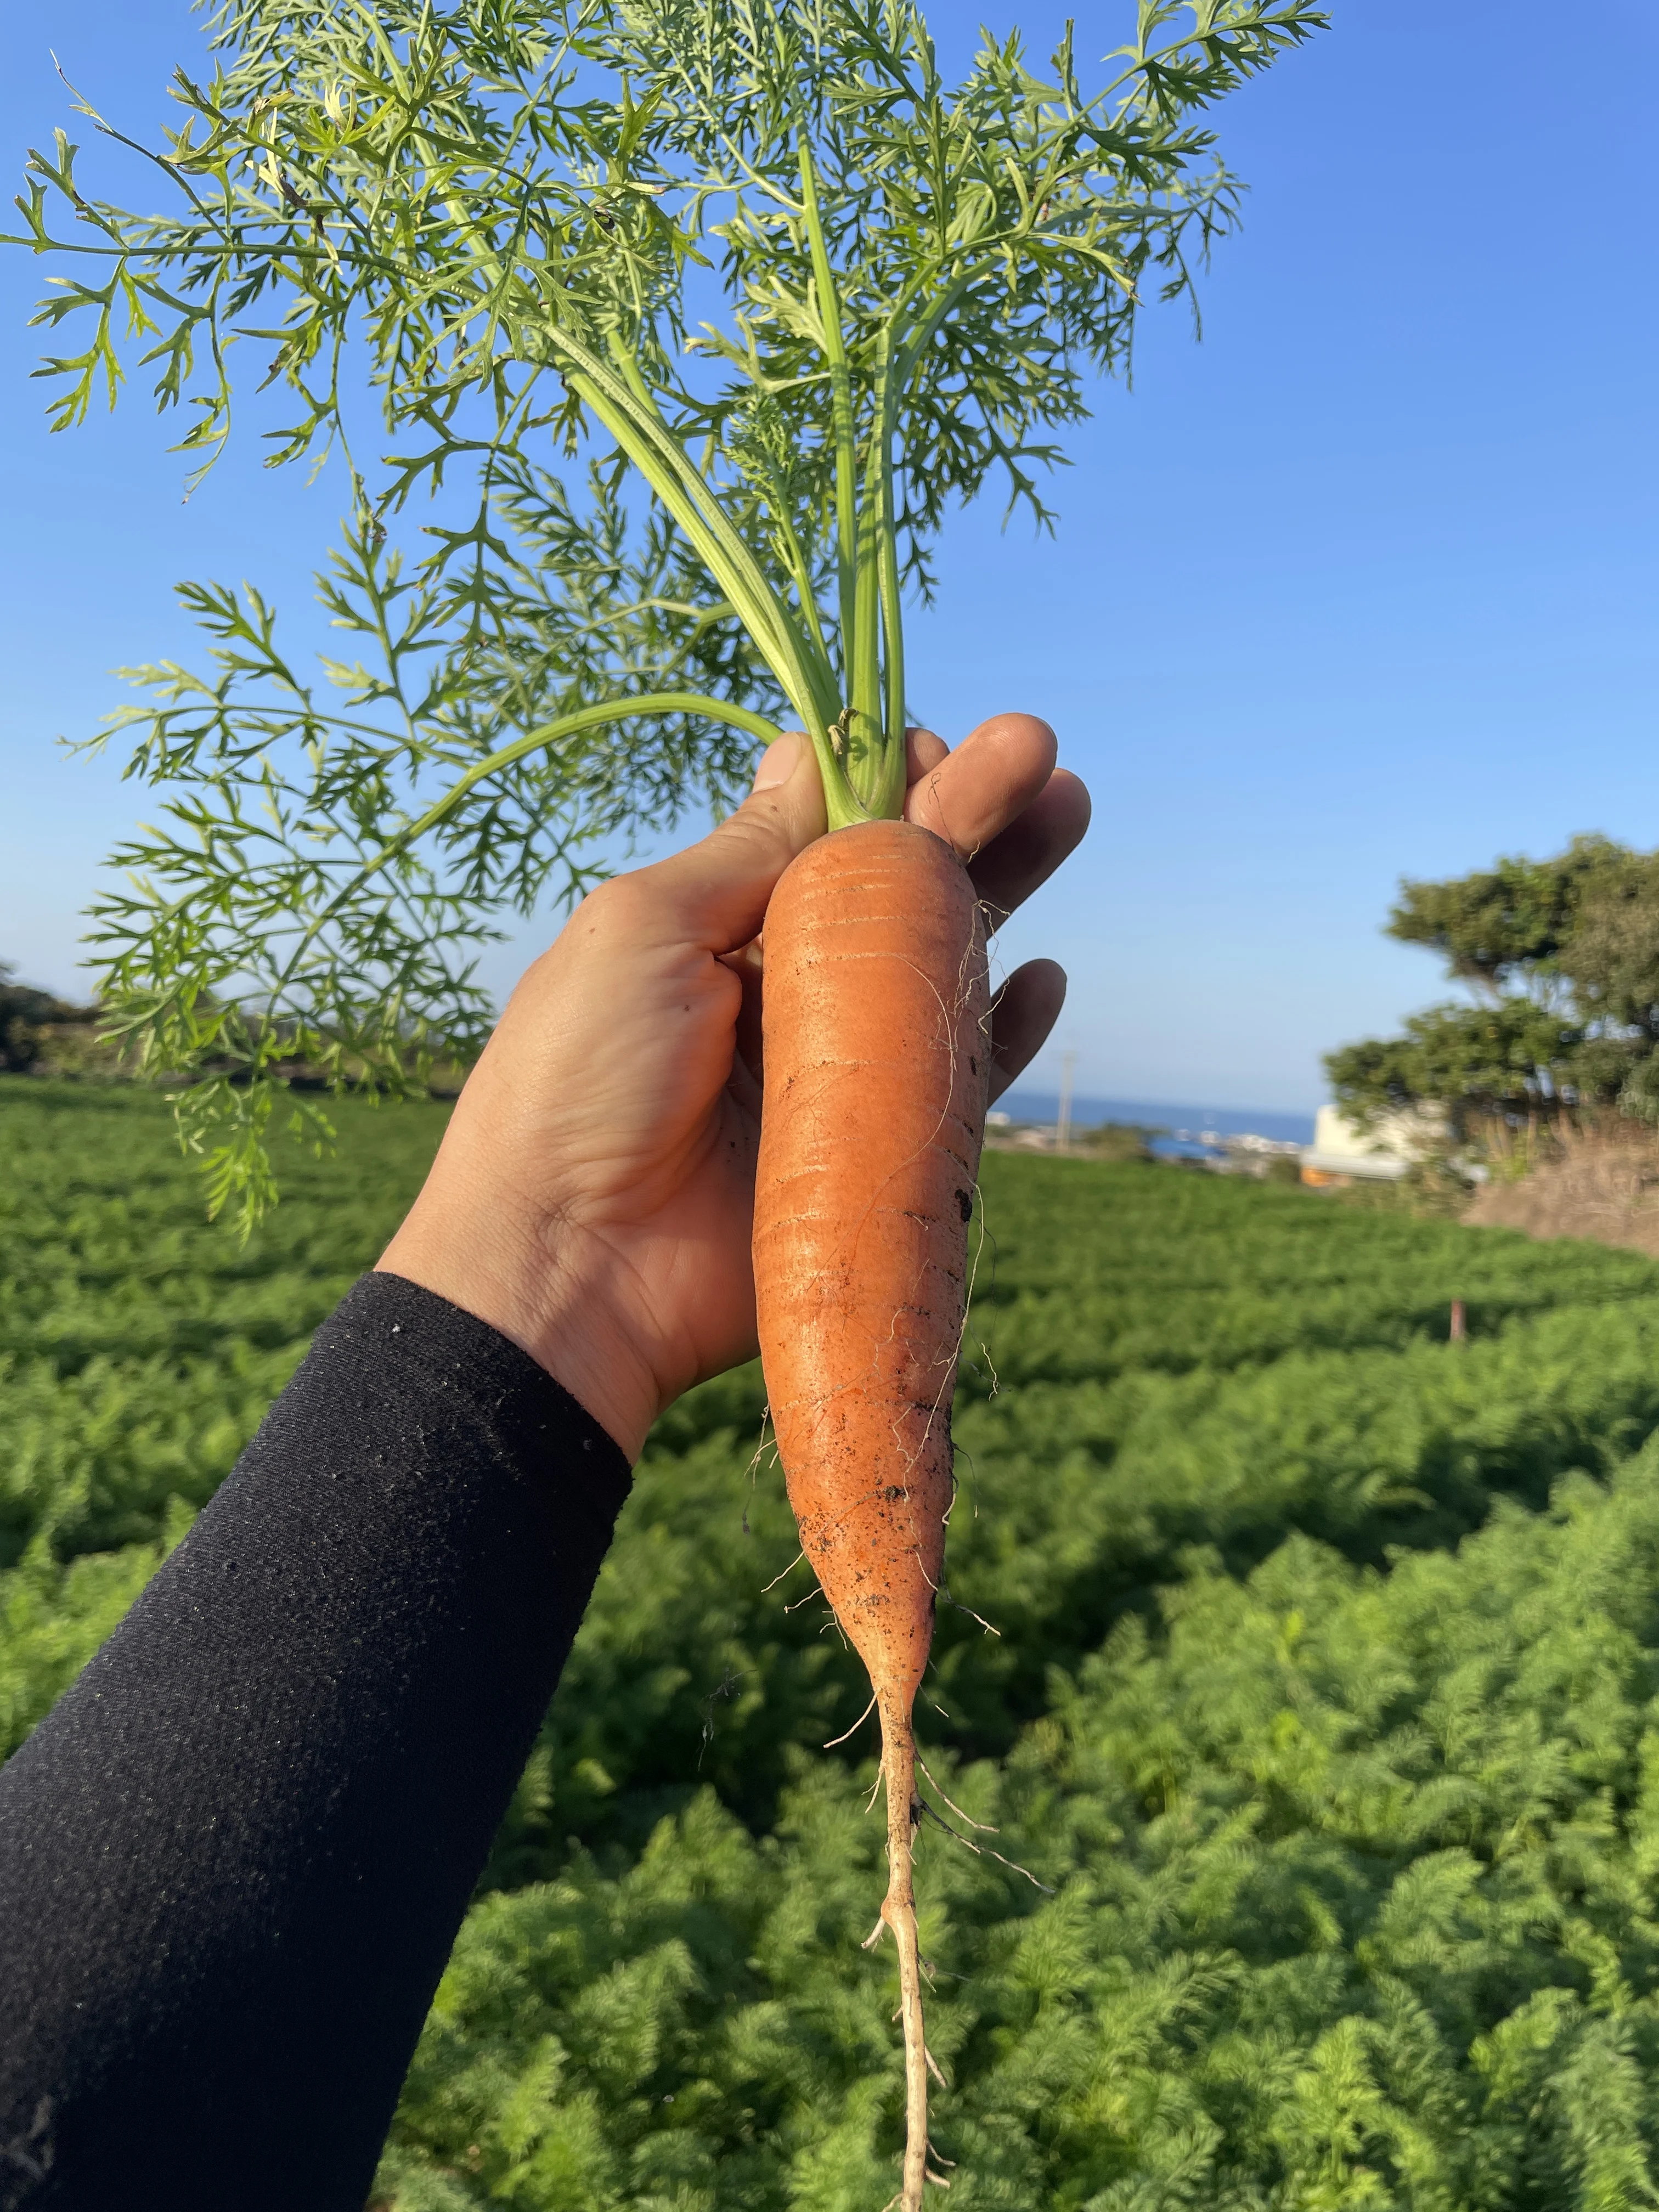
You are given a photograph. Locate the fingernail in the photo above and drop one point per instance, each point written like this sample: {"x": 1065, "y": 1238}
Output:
{"x": 778, "y": 762}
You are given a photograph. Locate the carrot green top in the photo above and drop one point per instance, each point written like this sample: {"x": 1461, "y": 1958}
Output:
{"x": 757, "y": 260}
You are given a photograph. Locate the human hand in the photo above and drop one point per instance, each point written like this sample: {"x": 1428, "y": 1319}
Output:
{"x": 593, "y": 1196}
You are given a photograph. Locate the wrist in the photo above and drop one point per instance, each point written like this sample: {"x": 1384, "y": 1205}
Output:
{"x": 548, "y": 1297}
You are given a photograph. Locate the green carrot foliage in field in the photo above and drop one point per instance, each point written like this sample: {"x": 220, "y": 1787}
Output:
{"x": 1323, "y": 1701}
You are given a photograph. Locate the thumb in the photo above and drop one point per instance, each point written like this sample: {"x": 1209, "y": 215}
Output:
{"x": 716, "y": 891}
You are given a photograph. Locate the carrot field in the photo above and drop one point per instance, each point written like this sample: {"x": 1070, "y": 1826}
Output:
{"x": 1308, "y": 1663}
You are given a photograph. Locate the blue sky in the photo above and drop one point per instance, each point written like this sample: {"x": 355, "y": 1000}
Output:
{"x": 1362, "y": 586}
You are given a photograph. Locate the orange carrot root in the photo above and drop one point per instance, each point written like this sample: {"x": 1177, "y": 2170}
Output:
{"x": 878, "y": 1066}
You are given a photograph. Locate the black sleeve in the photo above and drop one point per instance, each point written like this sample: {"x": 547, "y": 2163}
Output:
{"x": 233, "y": 1858}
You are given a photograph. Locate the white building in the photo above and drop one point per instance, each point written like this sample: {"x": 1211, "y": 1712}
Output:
{"x": 1390, "y": 1148}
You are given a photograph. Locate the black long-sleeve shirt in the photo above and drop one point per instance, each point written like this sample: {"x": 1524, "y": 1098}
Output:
{"x": 233, "y": 1858}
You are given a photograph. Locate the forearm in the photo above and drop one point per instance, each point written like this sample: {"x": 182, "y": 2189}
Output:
{"x": 234, "y": 1859}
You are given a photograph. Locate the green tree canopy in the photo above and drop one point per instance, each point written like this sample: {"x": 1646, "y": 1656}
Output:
{"x": 1562, "y": 958}
{"x": 24, "y": 1013}
{"x": 1503, "y": 927}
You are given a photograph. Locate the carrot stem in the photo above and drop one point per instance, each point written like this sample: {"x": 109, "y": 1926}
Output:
{"x": 898, "y": 1909}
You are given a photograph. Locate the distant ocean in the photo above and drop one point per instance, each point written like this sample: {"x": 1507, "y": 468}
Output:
{"x": 1225, "y": 1121}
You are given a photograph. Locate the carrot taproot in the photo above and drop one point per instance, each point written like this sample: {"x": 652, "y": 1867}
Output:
{"x": 876, "y": 1058}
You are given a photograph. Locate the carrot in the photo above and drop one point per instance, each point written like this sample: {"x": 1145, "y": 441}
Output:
{"x": 876, "y": 1041}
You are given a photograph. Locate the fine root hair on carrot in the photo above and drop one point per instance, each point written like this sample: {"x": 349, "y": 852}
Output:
{"x": 754, "y": 1467}
{"x": 760, "y": 1443}
{"x": 956, "y": 1606}
{"x": 853, "y": 1730}
{"x": 973, "y": 1264}
{"x": 984, "y": 1850}
{"x": 986, "y": 1237}
{"x": 961, "y": 1452}
{"x": 784, "y": 1576}
{"x": 990, "y": 1366}
{"x": 727, "y": 1687}
{"x": 984, "y": 1827}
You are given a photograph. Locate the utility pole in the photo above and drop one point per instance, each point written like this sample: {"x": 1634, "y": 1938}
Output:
{"x": 1063, "y": 1126}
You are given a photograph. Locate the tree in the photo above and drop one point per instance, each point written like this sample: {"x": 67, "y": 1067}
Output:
{"x": 754, "y": 267}
{"x": 1562, "y": 958}
{"x": 26, "y": 1017}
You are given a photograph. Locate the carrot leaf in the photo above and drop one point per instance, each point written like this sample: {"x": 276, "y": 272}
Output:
{"x": 774, "y": 296}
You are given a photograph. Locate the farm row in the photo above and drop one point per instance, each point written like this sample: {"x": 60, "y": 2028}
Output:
{"x": 1315, "y": 1692}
